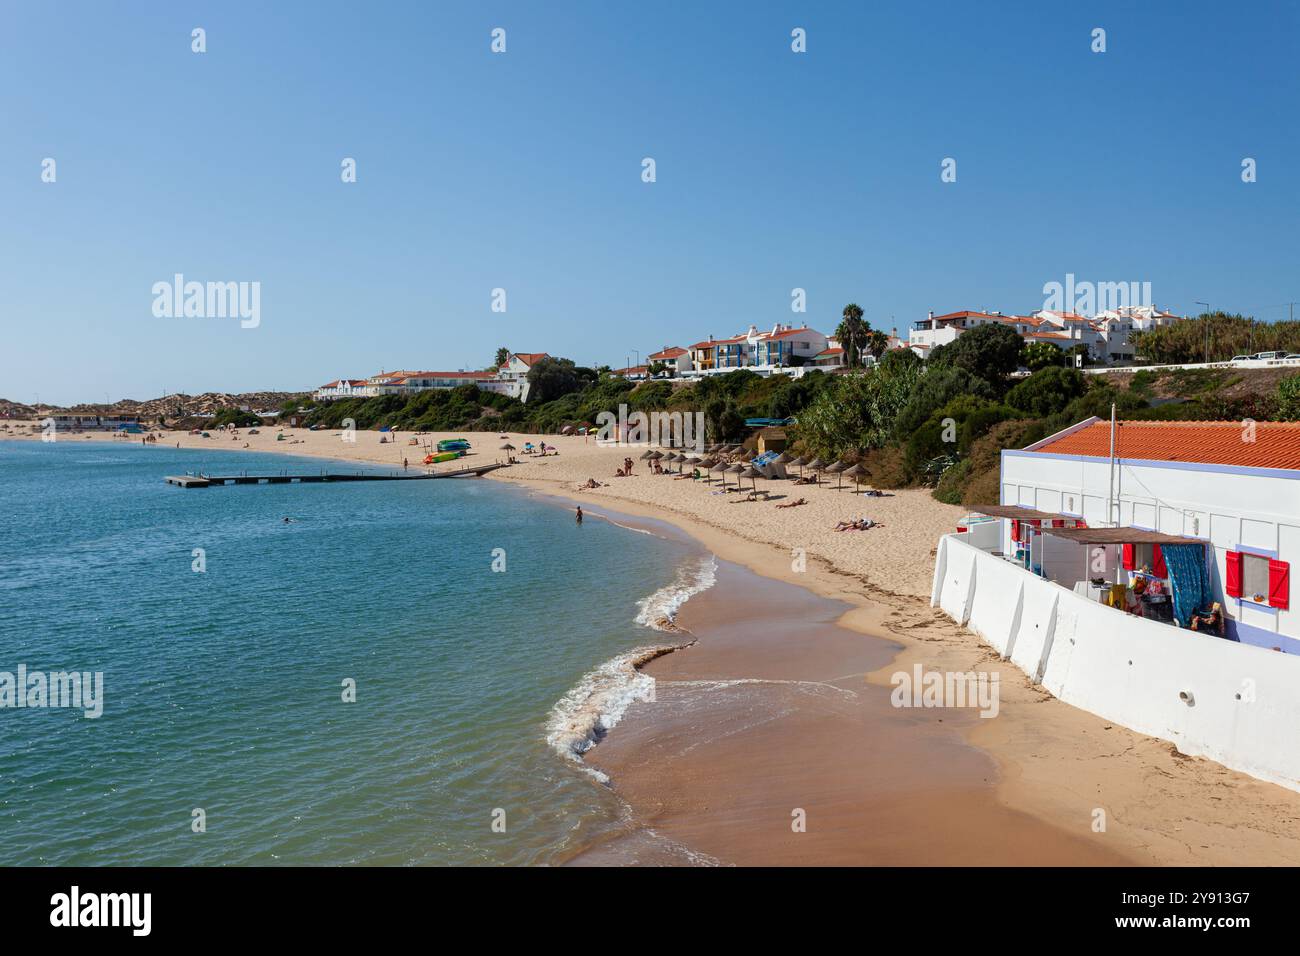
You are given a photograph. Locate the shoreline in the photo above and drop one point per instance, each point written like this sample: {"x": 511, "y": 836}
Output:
{"x": 1055, "y": 764}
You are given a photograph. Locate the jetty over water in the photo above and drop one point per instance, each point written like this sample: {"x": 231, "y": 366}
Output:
{"x": 207, "y": 481}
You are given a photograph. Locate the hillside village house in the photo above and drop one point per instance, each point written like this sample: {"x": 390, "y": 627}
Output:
{"x": 781, "y": 348}
{"x": 1231, "y": 490}
{"x": 408, "y": 383}
{"x": 676, "y": 358}
{"x": 515, "y": 372}
{"x": 1106, "y": 335}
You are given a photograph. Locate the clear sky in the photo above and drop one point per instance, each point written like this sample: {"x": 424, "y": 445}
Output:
{"x": 523, "y": 171}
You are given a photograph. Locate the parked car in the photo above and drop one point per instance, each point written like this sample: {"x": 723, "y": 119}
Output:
{"x": 1269, "y": 356}
{"x": 1241, "y": 358}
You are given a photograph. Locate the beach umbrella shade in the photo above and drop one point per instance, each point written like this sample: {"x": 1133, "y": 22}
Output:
{"x": 706, "y": 466}
{"x": 853, "y": 472}
{"x": 737, "y": 470}
{"x": 566, "y": 430}
{"x": 782, "y": 459}
{"x": 647, "y": 456}
{"x": 721, "y": 467}
{"x": 656, "y": 455}
{"x": 837, "y": 468}
{"x": 799, "y": 462}
{"x": 816, "y": 466}
{"x": 753, "y": 474}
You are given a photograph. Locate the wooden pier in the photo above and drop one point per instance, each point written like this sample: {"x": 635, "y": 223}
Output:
{"x": 207, "y": 481}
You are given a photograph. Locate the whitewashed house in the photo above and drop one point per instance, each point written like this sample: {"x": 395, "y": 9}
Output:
{"x": 1203, "y": 509}
{"x": 674, "y": 357}
{"x": 515, "y": 372}
{"x": 1234, "y": 487}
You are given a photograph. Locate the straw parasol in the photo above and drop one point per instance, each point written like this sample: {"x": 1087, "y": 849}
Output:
{"x": 837, "y": 468}
{"x": 748, "y": 454}
{"x": 737, "y": 470}
{"x": 720, "y": 466}
{"x": 706, "y": 465}
{"x": 798, "y": 462}
{"x": 853, "y": 472}
{"x": 753, "y": 474}
{"x": 647, "y": 455}
{"x": 817, "y": 466}
{"x": 691, "y": 461}
{"x": 507, "y": 447}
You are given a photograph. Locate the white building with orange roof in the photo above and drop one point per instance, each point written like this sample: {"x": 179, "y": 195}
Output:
{"x": 1143, "y": 573}
{"x": 342, "y": 388}
{"x": 1234, "y": 486}
{"x": 674, "y": 357}
{"x": 515, "y": 372}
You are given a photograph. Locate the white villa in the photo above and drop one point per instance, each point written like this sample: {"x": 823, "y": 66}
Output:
{"x": 1106, "y": 335}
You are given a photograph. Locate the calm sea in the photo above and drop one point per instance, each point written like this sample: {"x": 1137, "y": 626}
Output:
{"x": 223, "y": 689}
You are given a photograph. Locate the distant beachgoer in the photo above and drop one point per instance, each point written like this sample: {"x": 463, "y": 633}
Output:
{"x": 405, "y": 464}
{"x": 793, "y": 504}
{"x": 579, "y": 515}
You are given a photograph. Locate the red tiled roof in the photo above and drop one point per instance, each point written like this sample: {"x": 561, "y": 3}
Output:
{"x": 528, "y": 358}
{"x": 474, "y": 375}
{"x": 668, "y": 353}
{"x": 786, "y": 333}
{"x": 1274, "y": 444}
{"x": 836, "y": 350}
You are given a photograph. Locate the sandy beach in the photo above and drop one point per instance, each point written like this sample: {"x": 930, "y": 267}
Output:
{"x": 1034, "y": 776}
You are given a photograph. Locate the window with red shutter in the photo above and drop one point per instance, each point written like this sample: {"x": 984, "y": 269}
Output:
{"x": 1126, "y": 555}
{"x": 1279, "y": 584}
{"x": 1232, "y": 586}
{"x": 1158, "y": 566}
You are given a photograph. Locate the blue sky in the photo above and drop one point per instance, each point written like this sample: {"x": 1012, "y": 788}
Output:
{"x": 522, "y": 171}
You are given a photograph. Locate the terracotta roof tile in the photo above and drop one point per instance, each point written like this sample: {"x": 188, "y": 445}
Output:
{"x": 1275, "y": 444}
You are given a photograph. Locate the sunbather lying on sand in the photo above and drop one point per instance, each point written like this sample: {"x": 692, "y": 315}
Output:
{"x": 793, "y": 504}
{"x": 859, "y": 524}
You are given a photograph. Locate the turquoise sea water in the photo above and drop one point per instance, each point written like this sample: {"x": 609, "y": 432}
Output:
{"x": 223, "y": 689}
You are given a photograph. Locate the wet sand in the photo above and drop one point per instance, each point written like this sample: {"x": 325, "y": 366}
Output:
{"x": 770, "y": 713}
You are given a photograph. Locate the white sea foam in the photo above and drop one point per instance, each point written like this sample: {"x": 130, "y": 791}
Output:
{"x": 663, "y": 605}
{"x": 598, "y": 701}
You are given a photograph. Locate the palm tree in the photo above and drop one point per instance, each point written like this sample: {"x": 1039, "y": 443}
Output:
{"x": 877, "y": 343}
{"x": 852, "y": 332}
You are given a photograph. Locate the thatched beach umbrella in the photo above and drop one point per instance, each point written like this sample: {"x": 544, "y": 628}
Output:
{"x": 798, "y": 462}
{"x": 853, "y": 472}
{"x": 719, "y": 467}
{"x": 837, "y": 468}
{"x": 737, "y": 470}
{"x": 817, "y": 466}
{"x": 753, "y": 474}
{"x": 647, "y": 455}
{"x": 507, "y": 447}
{"x": 693, "y": 460}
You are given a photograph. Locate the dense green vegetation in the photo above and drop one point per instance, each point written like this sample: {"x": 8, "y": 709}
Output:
{"x": 1215, "y": 337}
{"x": 562, "y": 394}
{"x": 943, "y": 422}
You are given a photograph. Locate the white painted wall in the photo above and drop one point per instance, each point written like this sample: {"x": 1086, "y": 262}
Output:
{"x": 1228, "y": 508}
{"x": 1243, "y": 712}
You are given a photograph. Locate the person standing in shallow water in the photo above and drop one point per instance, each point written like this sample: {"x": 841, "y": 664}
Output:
{"x": 579, "y": 514}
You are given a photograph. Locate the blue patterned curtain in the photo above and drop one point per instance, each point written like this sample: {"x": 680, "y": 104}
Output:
{"x": 1187, "y": 579}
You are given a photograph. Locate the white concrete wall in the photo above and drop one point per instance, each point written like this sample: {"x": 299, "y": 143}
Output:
{"x": 1229, "y": 509}
{"x": 1244, "y": 706}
